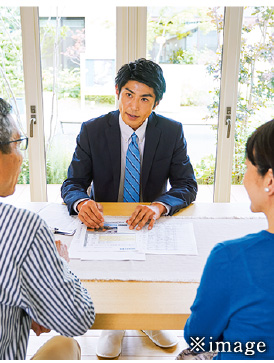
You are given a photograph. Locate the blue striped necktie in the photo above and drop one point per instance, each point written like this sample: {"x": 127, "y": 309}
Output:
{"x": 132, "y": 172}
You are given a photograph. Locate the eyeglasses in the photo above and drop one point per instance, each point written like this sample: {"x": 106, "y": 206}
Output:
{"x": 22, "y": 143}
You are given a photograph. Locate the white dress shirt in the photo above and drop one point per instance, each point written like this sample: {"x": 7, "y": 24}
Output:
{"x": 126, "y": 133}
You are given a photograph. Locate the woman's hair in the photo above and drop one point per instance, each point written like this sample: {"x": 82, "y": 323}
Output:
{"x": 6, "y": 126}
{"x": 143, "y": 71}
{"x": 260, "y": 148}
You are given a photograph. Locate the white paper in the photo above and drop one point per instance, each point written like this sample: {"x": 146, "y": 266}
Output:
{"x": 117, "y": 242}
{"x": 170, "y": 237}
{"x": 108, "y": 256}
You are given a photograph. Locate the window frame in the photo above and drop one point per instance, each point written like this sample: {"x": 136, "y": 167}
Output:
{"x": 233, "y": 18}
{"x": 131, "y": 44}
{"x": 33, "y": 97}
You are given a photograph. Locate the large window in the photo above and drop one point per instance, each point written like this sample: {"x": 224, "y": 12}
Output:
{"x": 186, "y": 42}
{"x": 256, "y": 82}
{"x": 78, "y": 52}
{"x": 12, "y": 82}
{"x": 199, "y": 49}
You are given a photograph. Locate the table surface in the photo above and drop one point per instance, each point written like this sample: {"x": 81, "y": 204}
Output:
{"x": 139, "y": 305}
{"x": 151, "y": 305}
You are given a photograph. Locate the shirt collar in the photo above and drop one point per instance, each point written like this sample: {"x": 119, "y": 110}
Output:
{"x": 127, "y": 131}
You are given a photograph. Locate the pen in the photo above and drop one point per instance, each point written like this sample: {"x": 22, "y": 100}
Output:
{"x": 65, "y": 233}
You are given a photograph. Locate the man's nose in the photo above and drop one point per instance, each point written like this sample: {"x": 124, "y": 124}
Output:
{"x": 135, "y": 104}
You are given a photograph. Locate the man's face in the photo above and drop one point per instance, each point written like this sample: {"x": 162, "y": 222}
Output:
{"x": 10, "y": 167}
{"x": 136, "y": 102}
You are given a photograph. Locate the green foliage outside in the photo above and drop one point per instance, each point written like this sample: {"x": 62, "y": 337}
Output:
{"x": 57, "y": 167}
{"x": 101, "y": 99}
{"x": 204, "y": 170}
{"x": 11, "y": 66}
{"x": 177, "y": 25}
{"x": 256, "y": 83}
{"x": 68, "y": 82}
{"x": 58, "y": 160}
{"x": 182, "y": 56}
{"x": 256, "y": 80}
{"x": 24, "y": 175}
{"x": 255, "y": 86}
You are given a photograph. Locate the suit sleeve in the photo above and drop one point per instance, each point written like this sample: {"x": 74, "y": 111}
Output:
{"x": 181, "y": 177}
{"x": 211, "y": 309}
{"x": 50, "y": 293}
{"x": 80, "y": 173}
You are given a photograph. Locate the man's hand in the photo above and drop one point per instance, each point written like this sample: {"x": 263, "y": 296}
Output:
{"x": 91, "y": 213}
{"x": 145, "y": 213}
{"x": 38, "y": 329}
{"x": 62, "y": 250}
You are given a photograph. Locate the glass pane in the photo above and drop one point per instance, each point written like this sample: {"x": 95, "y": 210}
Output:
{"x": 187, "y": 43}
{"x": 12, "y": 86}
{"x": 255, "y": 88}
{"x": 78, "y": 51}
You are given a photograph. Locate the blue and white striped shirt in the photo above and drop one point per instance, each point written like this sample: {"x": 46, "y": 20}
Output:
{"x": 35, "y": 283}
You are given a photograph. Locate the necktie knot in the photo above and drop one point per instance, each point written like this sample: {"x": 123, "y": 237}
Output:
{"x": 134, "y": 138}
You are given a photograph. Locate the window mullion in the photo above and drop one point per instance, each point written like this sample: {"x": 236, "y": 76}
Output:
{"x": 33, "y": 94}
{"x": 228, "y": 98}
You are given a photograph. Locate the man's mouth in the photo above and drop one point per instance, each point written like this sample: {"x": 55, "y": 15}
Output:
{"x": 133, "y": 117}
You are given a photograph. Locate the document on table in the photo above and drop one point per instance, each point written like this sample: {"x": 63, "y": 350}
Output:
{"x": 117, "y": 242}
{"x": 169, "y": 237}
{"x": 113, "y": 242}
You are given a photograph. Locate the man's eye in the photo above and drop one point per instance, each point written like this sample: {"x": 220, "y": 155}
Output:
{"x": 129, "y": 94}
{"x": 144, "y": 99}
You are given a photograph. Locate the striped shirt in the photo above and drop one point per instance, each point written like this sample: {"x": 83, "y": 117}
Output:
{"x": 35, "y": 283}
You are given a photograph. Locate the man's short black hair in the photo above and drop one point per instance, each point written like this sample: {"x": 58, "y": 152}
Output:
{"x": 143, "y": 71}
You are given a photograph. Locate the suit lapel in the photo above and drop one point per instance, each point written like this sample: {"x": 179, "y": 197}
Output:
{"x": 113, "y": 135}
{"x": 151, "y": 142}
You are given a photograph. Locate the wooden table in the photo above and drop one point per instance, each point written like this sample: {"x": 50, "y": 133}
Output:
{"x": 150, "y": 305}
{"x": 139, "y": 305}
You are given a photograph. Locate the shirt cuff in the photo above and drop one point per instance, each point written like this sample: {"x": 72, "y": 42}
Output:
{"x": 168, "y": 207}
{"x": 76, "y": 203}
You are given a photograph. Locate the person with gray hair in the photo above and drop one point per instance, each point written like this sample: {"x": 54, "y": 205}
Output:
{"x": 6, "y": 126}
{"x": 37, "y": 289}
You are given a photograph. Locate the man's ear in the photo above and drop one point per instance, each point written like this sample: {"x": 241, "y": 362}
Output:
{"x": 117, "y": 90}
{"x": 156, "y": 104}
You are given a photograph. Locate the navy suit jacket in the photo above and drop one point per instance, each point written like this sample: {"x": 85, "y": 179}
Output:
{"x": 97, "y": 160}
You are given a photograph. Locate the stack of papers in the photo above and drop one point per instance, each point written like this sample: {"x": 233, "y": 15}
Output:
{"x": 113, "y": 242}
{"x": 117, "y": 242}
{"x": 169, "y": 236}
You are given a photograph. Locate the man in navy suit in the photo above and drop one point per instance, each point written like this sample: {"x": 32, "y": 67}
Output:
{"x": 100, "y": 161}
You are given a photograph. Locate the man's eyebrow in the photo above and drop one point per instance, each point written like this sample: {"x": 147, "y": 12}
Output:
{"x": 144, "y": 95}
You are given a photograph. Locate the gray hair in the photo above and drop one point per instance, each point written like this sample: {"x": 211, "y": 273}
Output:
{"x": 6, "y": 126}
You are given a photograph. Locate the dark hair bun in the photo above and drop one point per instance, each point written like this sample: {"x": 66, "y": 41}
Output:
{"x": 5, "y": 107}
